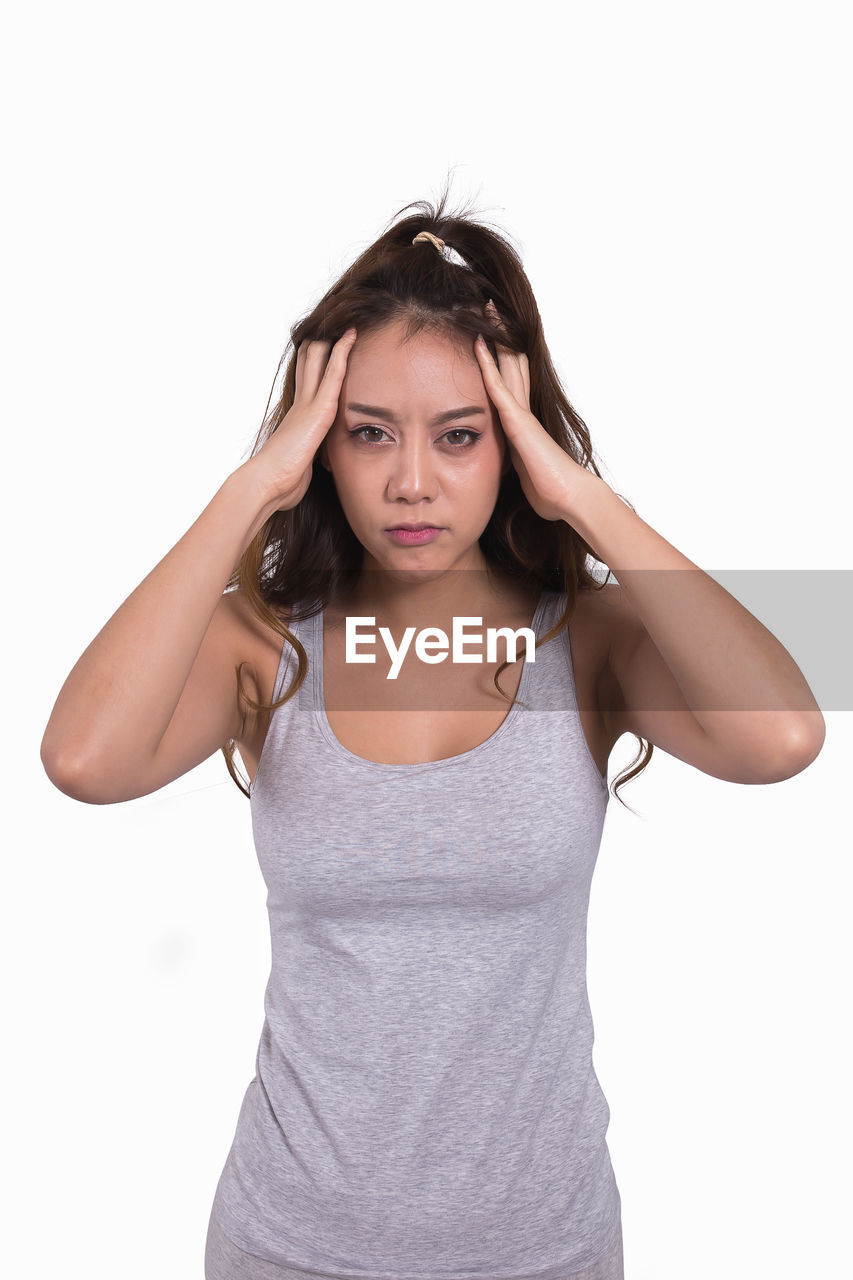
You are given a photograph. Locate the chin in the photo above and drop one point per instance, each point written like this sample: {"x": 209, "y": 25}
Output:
{"x": 421, "y": 573}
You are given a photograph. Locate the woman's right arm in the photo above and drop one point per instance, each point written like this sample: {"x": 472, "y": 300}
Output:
{"x": 113, "y": 733}
{"x": 155, "y": 693}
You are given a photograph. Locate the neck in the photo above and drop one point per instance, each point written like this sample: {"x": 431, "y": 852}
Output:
{"x": 431, "y": 598}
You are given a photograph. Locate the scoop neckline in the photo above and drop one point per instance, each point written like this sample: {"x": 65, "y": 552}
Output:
{"x": 344, "y": 752}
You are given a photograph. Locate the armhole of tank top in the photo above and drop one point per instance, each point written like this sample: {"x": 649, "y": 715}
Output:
{"x": 285, "y": 667}
{"x": 288, "y": 658}
{"x": 570, "y": 663}
{"x": 287, "y": 650}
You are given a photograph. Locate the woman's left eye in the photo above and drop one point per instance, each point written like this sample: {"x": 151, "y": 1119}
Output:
{"x": 457, "y": 431}
{"x": 463, "y": 431}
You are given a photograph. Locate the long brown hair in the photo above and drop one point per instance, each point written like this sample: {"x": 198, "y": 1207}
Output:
{"x": 300, "y": 558}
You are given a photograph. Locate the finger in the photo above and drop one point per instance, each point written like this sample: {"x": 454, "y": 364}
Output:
{"x": 497, "y": 320}
{"x": 525, "y": 374}
{"x": 512, "y": 364}
{"x": 337, "y": 365}
{"x": 510, "y": 370}
{"x": 312, "y": 353}
{"x": 319, "y": 354}
{"x": 510, "y": 367}
{"x": 492, "y": 376}
{"x": 316, "y": 359}
{"x": 301, "y": 358}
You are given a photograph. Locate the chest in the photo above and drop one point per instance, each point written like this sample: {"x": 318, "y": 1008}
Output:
{"x": 426, "y": 712}
{"x": 435, "y": 712}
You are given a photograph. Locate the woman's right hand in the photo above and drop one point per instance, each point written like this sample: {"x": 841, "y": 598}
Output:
{"x": 285, "y": 461}
{"x": 168, "y": 654}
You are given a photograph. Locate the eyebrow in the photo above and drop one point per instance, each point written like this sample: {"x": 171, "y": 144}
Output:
{"x": 374, "y": 411}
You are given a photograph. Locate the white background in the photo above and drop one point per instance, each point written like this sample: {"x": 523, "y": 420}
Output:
{"x": 183, "y": 182}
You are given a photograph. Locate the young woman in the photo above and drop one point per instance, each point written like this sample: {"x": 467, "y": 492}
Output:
{"x": 424, "y": 1103}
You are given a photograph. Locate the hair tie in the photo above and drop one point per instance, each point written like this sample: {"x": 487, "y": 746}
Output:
{"x": 427, "y": 235}
{"x": 447, "y": 251}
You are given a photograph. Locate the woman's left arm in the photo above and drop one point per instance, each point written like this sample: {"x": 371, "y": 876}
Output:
{"x": 697, "y": 674}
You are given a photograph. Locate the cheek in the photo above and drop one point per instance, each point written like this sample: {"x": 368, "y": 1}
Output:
{"x": 481, "y": 482}
{"x": 494, "y": 456}
{"x": 332, "y": 453}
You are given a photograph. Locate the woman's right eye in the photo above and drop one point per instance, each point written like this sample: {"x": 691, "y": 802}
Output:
{"x": 359, "y": 430}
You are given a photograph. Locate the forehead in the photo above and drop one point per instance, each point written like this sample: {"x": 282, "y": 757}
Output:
{"x": 426, "y": 363}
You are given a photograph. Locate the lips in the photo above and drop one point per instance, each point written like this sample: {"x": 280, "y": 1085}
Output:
{"x": 412, "y": 528}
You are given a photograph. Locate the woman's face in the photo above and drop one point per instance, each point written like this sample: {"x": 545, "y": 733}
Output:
{"x": 395, "y": 461}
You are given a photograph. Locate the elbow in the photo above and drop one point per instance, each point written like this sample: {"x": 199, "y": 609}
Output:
{"x": 73, "y": 775}
{"x": 803, "y": 744}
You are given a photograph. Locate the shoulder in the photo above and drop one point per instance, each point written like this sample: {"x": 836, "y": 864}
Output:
{"x": 602, "y": 619}
{"x": 254, "y": 642}
{"x": 603, "y": 629}
{"x": 238, "y": 607}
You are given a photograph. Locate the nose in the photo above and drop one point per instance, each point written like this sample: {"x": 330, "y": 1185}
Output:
{"x": 413, "y": 472}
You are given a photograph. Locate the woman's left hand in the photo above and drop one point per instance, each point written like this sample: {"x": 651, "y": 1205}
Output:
{"x": 547, "y": 473}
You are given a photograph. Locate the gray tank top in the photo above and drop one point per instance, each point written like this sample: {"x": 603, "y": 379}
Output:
{"x": 425, "y": 1105}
